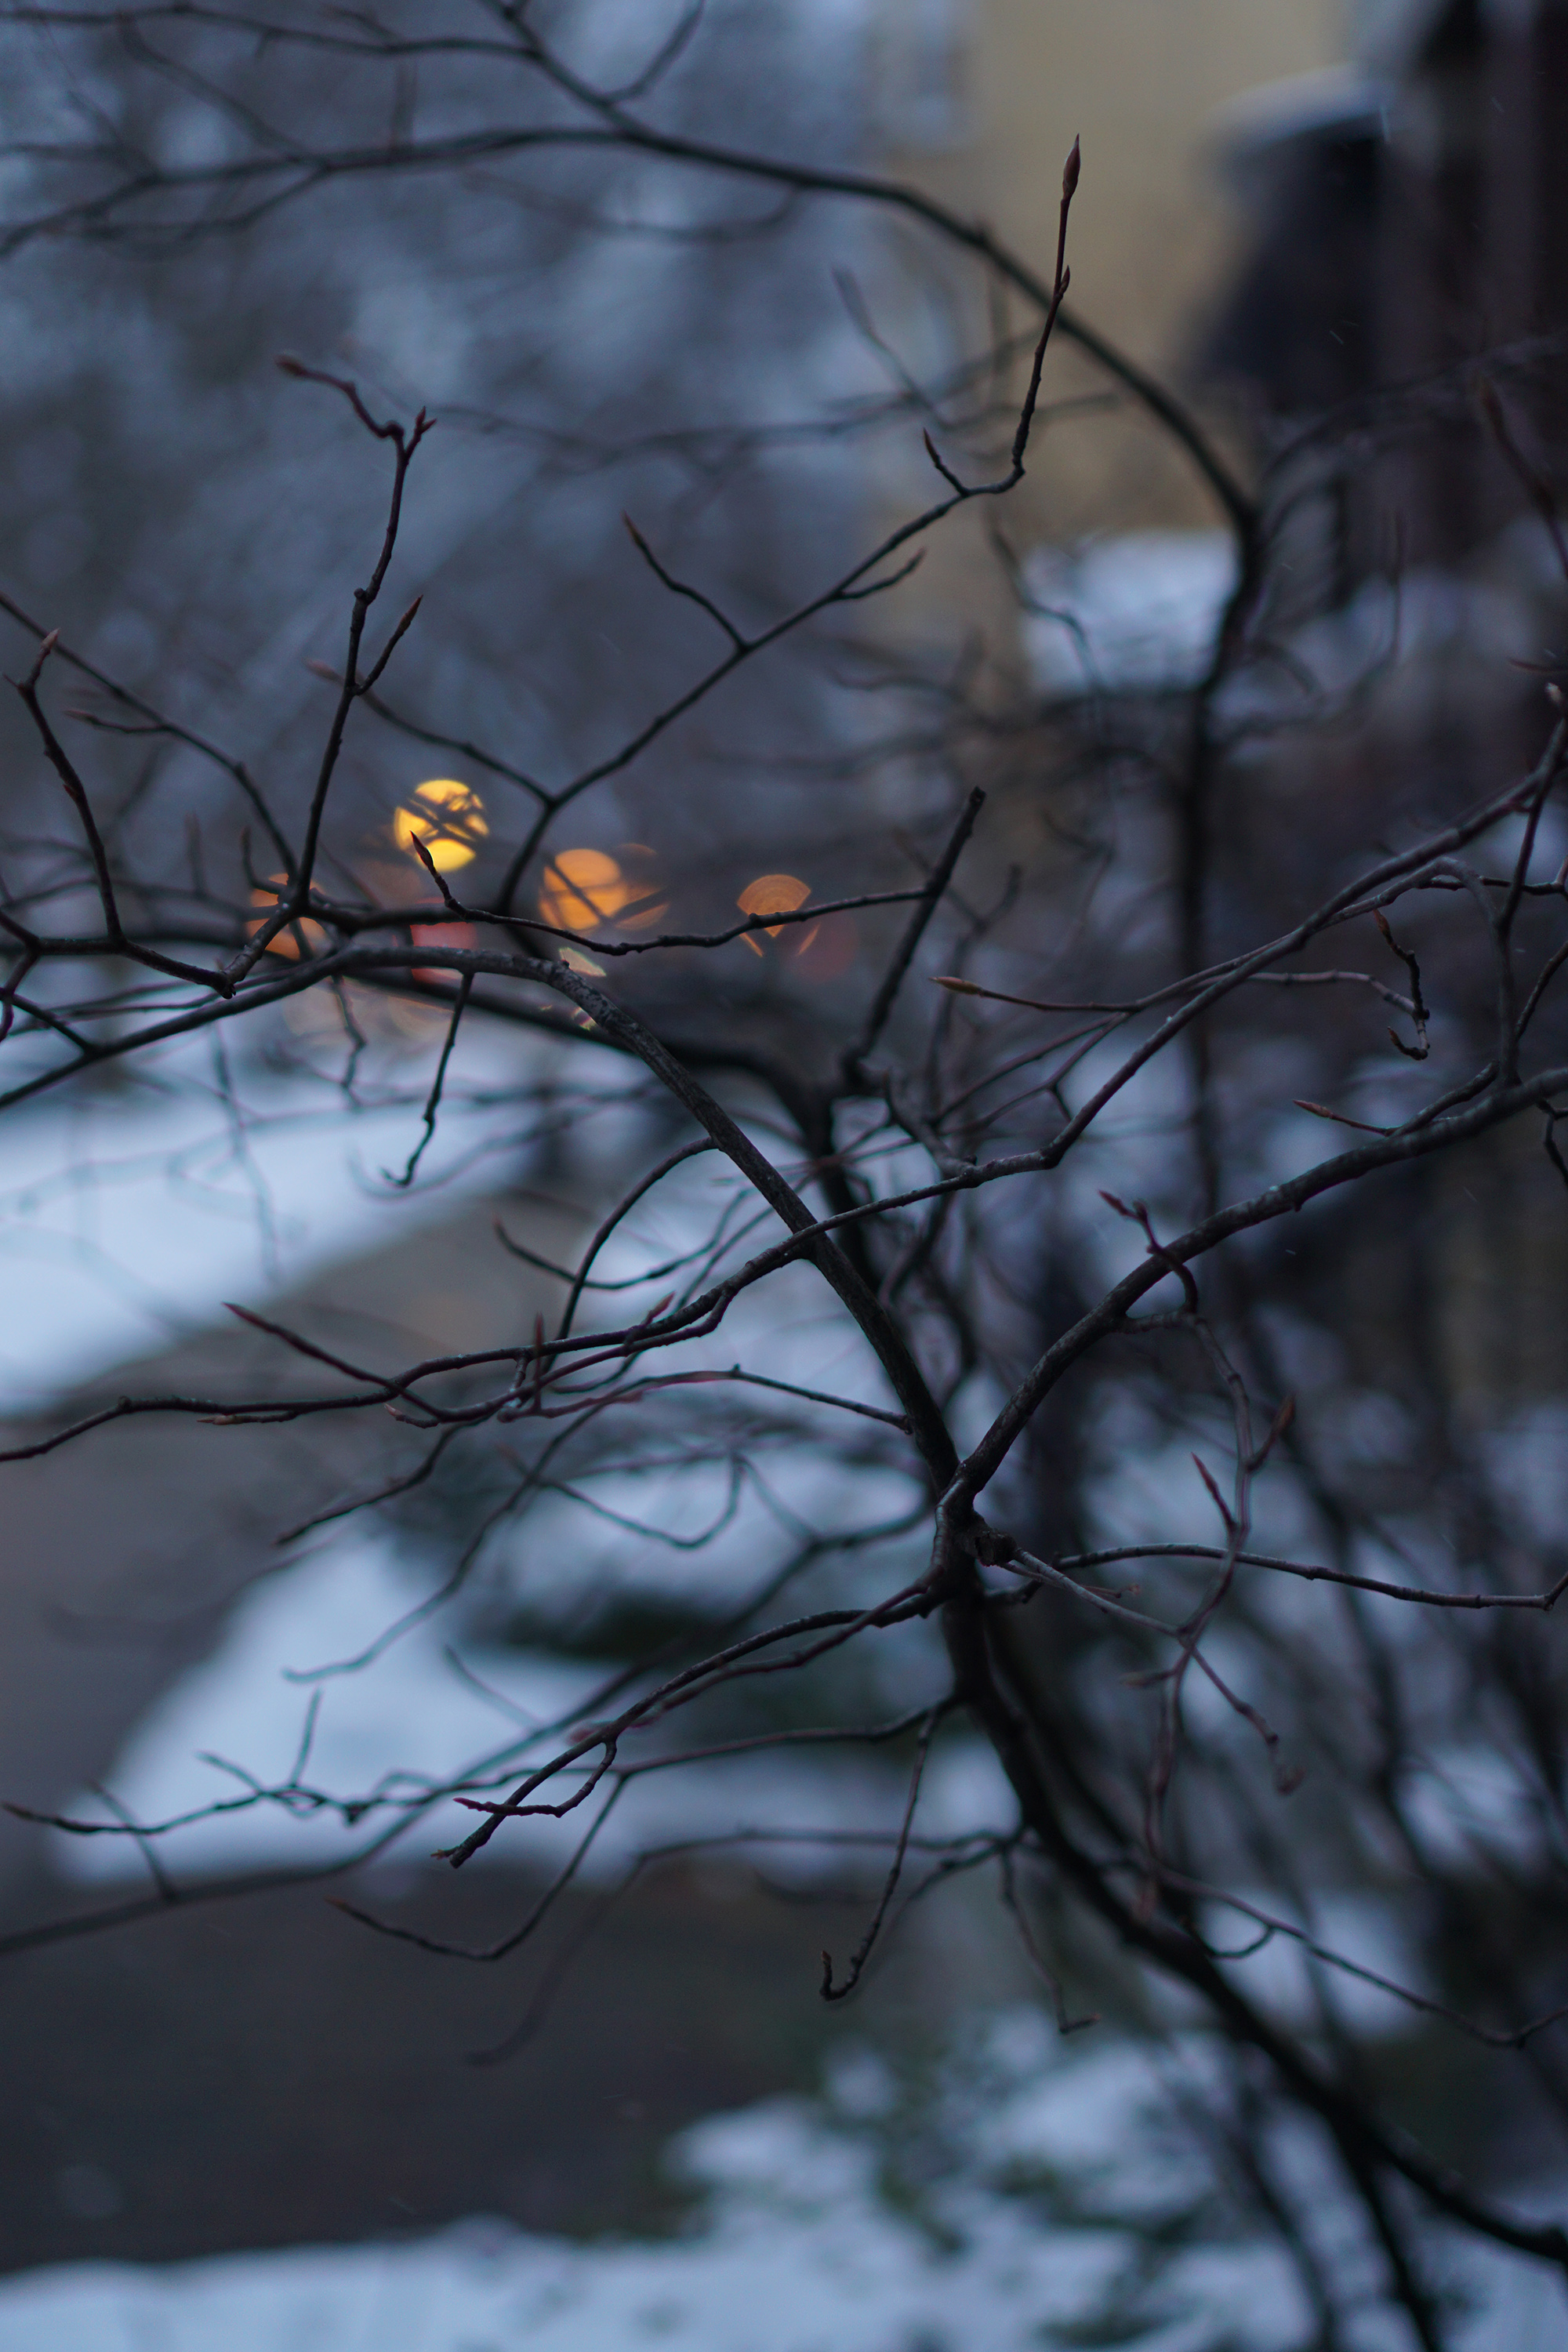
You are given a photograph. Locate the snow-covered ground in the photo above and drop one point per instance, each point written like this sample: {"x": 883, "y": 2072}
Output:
{"x": 1000, "y": 2216}
{"x": 130, "y": 1214}
{"x": 359, "y": 1639}
{"x": 1012, "y": 2212}
{"x": 422, "y": 1712}
{"x": 1033, "y": 2195}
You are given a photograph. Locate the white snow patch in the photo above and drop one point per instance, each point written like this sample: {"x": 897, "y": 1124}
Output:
{"x": 797, "y": 2250}
{"x": 1139, "y": 611}
{"x": 410, "y": 1719}
{"x": 127, "y": 1218}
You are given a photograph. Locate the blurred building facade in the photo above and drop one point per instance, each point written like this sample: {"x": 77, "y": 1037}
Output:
{"x": 979, "y": 101}
{"x": 1329, "y": 227}
{"x": 1404, "y": 237}
{"x": 1287, "y": 210}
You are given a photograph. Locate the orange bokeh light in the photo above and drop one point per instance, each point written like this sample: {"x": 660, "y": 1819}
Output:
{"x": 583, "y": 888}
{"x": 775, "y": 894}
{"x": 266, "y": 895}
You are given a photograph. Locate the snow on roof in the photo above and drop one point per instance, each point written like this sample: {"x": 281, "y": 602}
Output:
{"x": 1391, "y": 35}
{"x": 1339, "y": 103}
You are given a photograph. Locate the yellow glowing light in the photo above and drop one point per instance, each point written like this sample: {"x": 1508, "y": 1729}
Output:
{"x": 772, "y": 894}
{"x": 448, "y": 817}
{"x": 584, "y": 887}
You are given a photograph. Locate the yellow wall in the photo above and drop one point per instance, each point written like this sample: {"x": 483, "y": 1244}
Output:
{"x": 1142, "y": 81}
